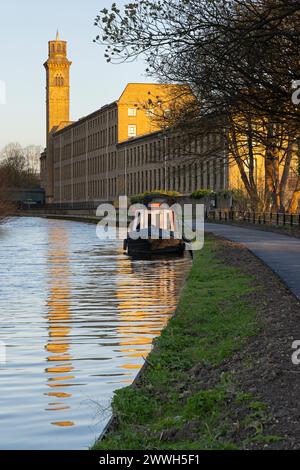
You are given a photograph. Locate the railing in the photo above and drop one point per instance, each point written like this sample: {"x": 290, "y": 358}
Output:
{"x": 91, "y": 205}
{"x": 257, "y": 218}
{"x": 69, "y": 207}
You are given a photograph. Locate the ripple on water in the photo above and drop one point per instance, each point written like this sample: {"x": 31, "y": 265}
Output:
{"x": 78, "y": 317}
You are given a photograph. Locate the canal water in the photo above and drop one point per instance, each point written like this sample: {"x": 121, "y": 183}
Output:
{"x": 77, "y": 320}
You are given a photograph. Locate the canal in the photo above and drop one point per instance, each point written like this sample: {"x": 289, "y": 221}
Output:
{"x": 77, "y": 320}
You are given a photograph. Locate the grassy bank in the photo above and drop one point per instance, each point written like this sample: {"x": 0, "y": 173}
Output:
{"x": 184, "y": 398}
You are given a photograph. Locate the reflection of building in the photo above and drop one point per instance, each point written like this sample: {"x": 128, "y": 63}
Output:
{"x": 59, "y": 370}
{"x": 147, "y": 296}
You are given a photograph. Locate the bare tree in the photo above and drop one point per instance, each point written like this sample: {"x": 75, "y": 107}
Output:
{"x": 239, "y": 59}
{"x": 19, "y": 167}
{"x": 32, "y": 155}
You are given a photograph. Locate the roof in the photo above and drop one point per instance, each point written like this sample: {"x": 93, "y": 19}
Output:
{"x": 85, "y": 118}
{"x": 134, "y": 140}
{"x": 115, "y": 103}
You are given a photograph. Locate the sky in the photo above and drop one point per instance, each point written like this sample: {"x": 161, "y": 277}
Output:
{"x": 26, "y": 28}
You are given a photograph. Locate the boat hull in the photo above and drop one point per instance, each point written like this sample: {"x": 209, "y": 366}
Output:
{"x": 154, "y": 247}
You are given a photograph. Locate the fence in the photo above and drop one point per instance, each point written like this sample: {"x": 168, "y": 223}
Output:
{"x": 257, "y": 218}
{"x": 84, "y": 206}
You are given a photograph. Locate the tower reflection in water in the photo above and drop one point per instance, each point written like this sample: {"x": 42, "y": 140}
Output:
{"x": 59, "y": 370}
{"x": 107, "y": 309}
{"x": 148, "y": 294}
{"x": 79, "y": 324}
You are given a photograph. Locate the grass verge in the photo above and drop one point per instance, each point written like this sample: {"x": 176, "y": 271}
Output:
{"x": 183, "y": 400}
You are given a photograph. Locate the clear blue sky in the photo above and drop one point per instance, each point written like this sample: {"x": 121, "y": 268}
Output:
{"x": 26, "y": 27}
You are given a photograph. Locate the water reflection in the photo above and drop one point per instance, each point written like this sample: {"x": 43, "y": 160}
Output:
{"x": 145, "y": 304}
{"x": 78, "y": 318}
{"x": 60, "y": 321}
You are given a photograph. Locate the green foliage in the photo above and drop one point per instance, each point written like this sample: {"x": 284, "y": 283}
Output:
{"x": 204, "y": 402}
{"x": 202, "y": 193}
{"x": 139, "y": 198}
{"x": 133, "y": 405}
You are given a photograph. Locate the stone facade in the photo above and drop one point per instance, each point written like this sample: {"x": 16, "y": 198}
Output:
{"x": 162, "y": 161}
{"x": 119, "y": 149}
{"x": 57, "y": 105}
{"x": 58, "y": 84}
{"x": 85, "y": 158}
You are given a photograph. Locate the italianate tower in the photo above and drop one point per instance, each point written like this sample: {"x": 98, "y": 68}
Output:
{"x": 57, "y": 101}
{"x": 58, "y": 84}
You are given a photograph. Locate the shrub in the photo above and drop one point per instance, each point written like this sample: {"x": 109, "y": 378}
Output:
{"x": 201, "y": 193}
{"x": 138, "y": 198}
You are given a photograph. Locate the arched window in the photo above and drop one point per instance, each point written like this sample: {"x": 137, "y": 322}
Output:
{"x": 59, "y": 80}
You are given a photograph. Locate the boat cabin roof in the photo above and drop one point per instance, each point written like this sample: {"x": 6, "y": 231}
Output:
{"x": 158, "y": 199}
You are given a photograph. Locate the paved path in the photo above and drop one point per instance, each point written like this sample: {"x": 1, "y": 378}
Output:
{"x": 280, "y": 252}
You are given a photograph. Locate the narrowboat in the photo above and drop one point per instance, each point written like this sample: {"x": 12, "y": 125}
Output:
{"x": 154, "y": 230}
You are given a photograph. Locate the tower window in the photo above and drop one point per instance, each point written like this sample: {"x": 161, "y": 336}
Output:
{"x": 59, "y": 80}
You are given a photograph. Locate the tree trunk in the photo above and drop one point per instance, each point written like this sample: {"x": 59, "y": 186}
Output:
{"x": 272, "y": 196}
